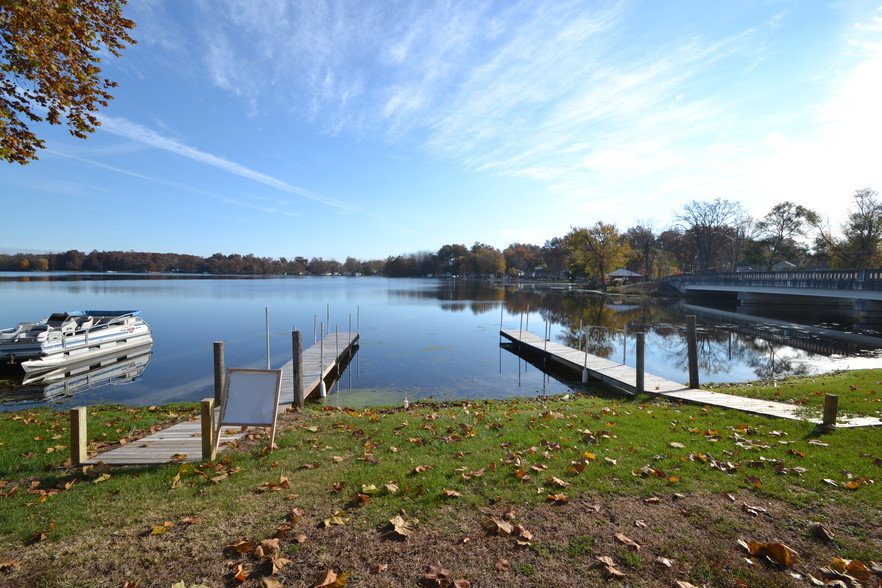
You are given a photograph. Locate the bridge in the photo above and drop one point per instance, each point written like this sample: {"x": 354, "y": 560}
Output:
{"x": 854, "y": 295}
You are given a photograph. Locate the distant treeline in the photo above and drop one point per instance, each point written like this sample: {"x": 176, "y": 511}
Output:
{"x": 479, "y": 259}
{"x": 708, "y": 236}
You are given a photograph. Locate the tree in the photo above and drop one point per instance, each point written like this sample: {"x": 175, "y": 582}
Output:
{"x": 597, "y": 250}
{"x": 521, "y": 257}
{"x": 709, "y": 226}
{"x": 644, "y": 248}
{"x": 781, "y": 227}
{"x": 487, "y": 260}
{"x": 49, "y": 56}
{"x": 859, "y": 246}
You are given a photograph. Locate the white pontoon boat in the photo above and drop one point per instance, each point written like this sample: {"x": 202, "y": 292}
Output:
{"x": 67, "y": 337}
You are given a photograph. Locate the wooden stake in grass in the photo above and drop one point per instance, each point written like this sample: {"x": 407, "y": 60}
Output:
{"x": 78, "y": 435}
{"x": 831, "y": 407}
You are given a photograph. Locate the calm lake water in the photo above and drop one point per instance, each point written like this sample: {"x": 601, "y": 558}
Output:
{"x": 420, "y": 339}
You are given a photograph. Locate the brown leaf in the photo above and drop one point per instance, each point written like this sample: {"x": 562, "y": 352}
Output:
{"x": 501, "y": 565}
{"x": 379, "y": 568}
{"x": 332, "y": 580}
{"x": 450, "y": 493}
{"x": 498, "y": 527}
{"x": 242, "y": 546}
{"x": 402, "y": 527}
{"x": 627, "y": 541}
{"x": 438, "y": 573}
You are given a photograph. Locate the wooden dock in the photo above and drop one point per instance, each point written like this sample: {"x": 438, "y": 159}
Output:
{"x": 183, "y": 441}
{"x": 624, "y": 378}
{"x": 178, "y": 443}
{"x": 319, "y": 362}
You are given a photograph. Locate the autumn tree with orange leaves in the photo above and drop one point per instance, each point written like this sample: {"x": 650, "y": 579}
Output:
{"x": 49, "y": 56}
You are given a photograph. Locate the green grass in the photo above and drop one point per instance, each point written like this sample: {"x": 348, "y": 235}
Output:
{"x": 376, "y": 463}
{"x": 859, "y": 391}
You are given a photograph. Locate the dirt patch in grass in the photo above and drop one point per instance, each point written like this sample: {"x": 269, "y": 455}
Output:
{"x": 688, "y": 538}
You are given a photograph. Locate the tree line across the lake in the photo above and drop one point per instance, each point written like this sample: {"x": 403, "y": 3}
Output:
{"x": 706, "y": 236}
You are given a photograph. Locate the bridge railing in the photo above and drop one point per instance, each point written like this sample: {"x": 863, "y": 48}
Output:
{"x": 863, "y": 279}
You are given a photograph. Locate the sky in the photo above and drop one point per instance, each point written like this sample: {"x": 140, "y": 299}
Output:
{"x": 371, "y": 129}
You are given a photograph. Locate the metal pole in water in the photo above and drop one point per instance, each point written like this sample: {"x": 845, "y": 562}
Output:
{"x": 624, "y": 345}
{"x": 528, "y": 318}
{"x": 585, "y": 365}
{"x": 337, "y": 348}
{"x": 314, "y": 319}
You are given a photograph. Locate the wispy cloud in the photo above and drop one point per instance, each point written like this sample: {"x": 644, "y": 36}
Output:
{"x": 142, "y": 134}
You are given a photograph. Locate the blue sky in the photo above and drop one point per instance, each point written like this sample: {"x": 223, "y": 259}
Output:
{"x": 369, "y": 129}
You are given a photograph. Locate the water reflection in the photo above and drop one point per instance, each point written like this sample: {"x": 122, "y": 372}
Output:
{"x": 731, "y": 346}
{"x": 429, "y": 338}
{"x": 74, "y": 378}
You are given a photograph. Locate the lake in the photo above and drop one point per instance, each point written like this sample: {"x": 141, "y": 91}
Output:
{"x": 420, "y": 338}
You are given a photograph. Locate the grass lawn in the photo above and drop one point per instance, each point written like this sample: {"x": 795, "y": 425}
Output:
{"x": 545, "y": 492}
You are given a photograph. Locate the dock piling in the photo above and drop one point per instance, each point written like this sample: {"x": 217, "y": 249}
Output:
{"x": 297, "y": 367}
{"x": 641, "y": 372}
{"x": 692, "y": 351}
{"x": 218, "y": 370}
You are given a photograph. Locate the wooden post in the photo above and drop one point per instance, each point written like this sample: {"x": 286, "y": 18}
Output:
{"x": 207, "y": 413}
{"x": 692, "y": 351}
{"x": 641, "y": 348}
{"x": 297, "y": 366}
{"x": 218, "y": 371}
{"x": 79, "y": 451}
{"x": 831, "y": 407}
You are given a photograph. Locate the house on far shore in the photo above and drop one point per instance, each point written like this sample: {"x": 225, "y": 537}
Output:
{"x": 783, "y": 266}
{"x": 624, "y": 276}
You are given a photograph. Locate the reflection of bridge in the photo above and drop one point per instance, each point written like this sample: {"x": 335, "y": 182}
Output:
{"x": 852, "y": 294}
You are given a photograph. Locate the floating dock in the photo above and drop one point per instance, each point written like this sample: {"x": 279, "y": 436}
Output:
{"x": 624, "y": 378}
{"x": 183, "y": 441}
{"x": 320, "y": 361}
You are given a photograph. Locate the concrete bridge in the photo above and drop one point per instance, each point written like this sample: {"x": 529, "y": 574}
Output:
{"x": 853, "y": 295}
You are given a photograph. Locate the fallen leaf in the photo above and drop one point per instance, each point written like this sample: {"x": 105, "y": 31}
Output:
{"x": 438, "y": 573}
{"x": 501, "y": 565}
{"x": 379, "y": 568}
{"x": 627, "y": 541}
{"x": 402, "y": 527}
{"x": 332, "y": 580}
{"x": 338, "y": 518}
{"x": 498, "y": 527}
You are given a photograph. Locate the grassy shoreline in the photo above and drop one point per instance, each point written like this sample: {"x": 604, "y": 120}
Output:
{"x": 572, "y": 474}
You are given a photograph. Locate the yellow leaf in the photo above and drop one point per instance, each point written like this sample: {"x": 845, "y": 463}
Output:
{"x": 101, "y": 478}
{"x": 332, "y": 580}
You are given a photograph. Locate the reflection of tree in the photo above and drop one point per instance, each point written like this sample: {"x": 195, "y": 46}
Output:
{"x": 767, "y": 363}
{"x": 714, "y": 351}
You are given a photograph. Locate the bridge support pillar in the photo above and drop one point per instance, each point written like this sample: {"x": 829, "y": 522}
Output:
{"x": 867, "y": 316}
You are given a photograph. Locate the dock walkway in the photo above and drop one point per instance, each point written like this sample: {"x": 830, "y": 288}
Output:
{"x": 624, "y": 378}
{"x": 318, "y": 362}
{"x": 183, "y": 441}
